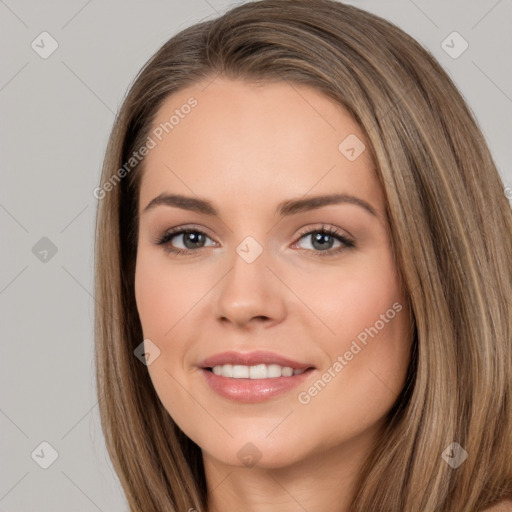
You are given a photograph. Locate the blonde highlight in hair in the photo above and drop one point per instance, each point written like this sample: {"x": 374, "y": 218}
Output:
{"x": 451, "y": 229}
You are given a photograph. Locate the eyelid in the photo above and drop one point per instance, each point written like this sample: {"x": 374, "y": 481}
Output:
{"x": 346, "y": 242}
{"x": 178, "y": 230}
{"x": 335, "y": 232}
{"x": 328, "y": 228}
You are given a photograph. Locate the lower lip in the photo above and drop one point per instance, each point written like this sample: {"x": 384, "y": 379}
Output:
{"x": 253, "y": 390}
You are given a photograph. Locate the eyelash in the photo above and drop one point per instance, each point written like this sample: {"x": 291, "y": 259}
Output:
{"x": 346, "y": 242}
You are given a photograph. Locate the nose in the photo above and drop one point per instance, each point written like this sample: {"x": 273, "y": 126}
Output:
{"x": 250, "y": 294}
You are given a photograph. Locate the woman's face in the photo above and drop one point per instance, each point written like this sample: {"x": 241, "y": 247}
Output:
{"x": 263, "y": 287}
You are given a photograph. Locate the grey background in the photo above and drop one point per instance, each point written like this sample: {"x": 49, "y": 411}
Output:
{"x": 56, "y": 115}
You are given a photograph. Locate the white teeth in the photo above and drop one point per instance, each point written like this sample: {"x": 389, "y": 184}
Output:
{"x": 240, "y": 372}
{"x": 273, "y": 370}
{"x": 287, "y": 371}
{"x": 259, "y": 371}
{"x": 225, "y": 370}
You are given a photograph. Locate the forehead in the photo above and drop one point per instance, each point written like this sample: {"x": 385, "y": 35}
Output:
{"x": 256, "y": 142}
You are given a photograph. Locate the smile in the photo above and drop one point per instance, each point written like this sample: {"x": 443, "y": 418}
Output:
{"x": 253, "y": 377}
{"x": 259, "y": 371}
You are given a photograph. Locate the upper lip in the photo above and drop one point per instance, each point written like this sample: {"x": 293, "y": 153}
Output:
{"x": 252, "y": 359}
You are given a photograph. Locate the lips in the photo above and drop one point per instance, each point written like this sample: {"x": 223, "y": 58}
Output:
{"x": 255, "y": 389}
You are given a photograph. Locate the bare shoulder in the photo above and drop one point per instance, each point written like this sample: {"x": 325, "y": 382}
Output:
{"x": 502, "y": 506}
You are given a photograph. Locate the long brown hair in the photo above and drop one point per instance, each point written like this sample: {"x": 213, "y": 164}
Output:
{"x": 451, "y": 229}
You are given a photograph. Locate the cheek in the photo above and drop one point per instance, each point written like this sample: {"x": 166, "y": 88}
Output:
{"x": 351, "y": 299}
{"x": 368, "y": 365}
{"x": 366, "y": 307}
{"x": 164, "y": 294}
{"x": 367, "y": 352}
{"x": 168, "y": 298}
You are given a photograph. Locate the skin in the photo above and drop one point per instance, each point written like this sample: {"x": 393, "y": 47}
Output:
{"x": 246, "y": 148}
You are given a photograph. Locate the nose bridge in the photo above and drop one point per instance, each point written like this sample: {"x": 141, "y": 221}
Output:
{"x": 248, "y": 278}
{"x": 249, "y": 289}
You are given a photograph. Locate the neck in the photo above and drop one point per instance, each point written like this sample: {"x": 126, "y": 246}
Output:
{"x": 322, "y": 481}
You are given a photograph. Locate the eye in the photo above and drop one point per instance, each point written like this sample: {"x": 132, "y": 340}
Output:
{"x": 190, "y": 239}
{"x": 322, "y": 240}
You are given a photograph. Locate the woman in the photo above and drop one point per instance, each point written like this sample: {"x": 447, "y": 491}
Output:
{"x": 303, "y": 275}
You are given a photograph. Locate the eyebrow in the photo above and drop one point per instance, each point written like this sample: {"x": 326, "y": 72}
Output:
{"x": 286, "y": 208}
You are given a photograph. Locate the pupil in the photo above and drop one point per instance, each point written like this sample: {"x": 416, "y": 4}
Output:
{"x": 195, "y": 238}
{"x": 323, "y": 240}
